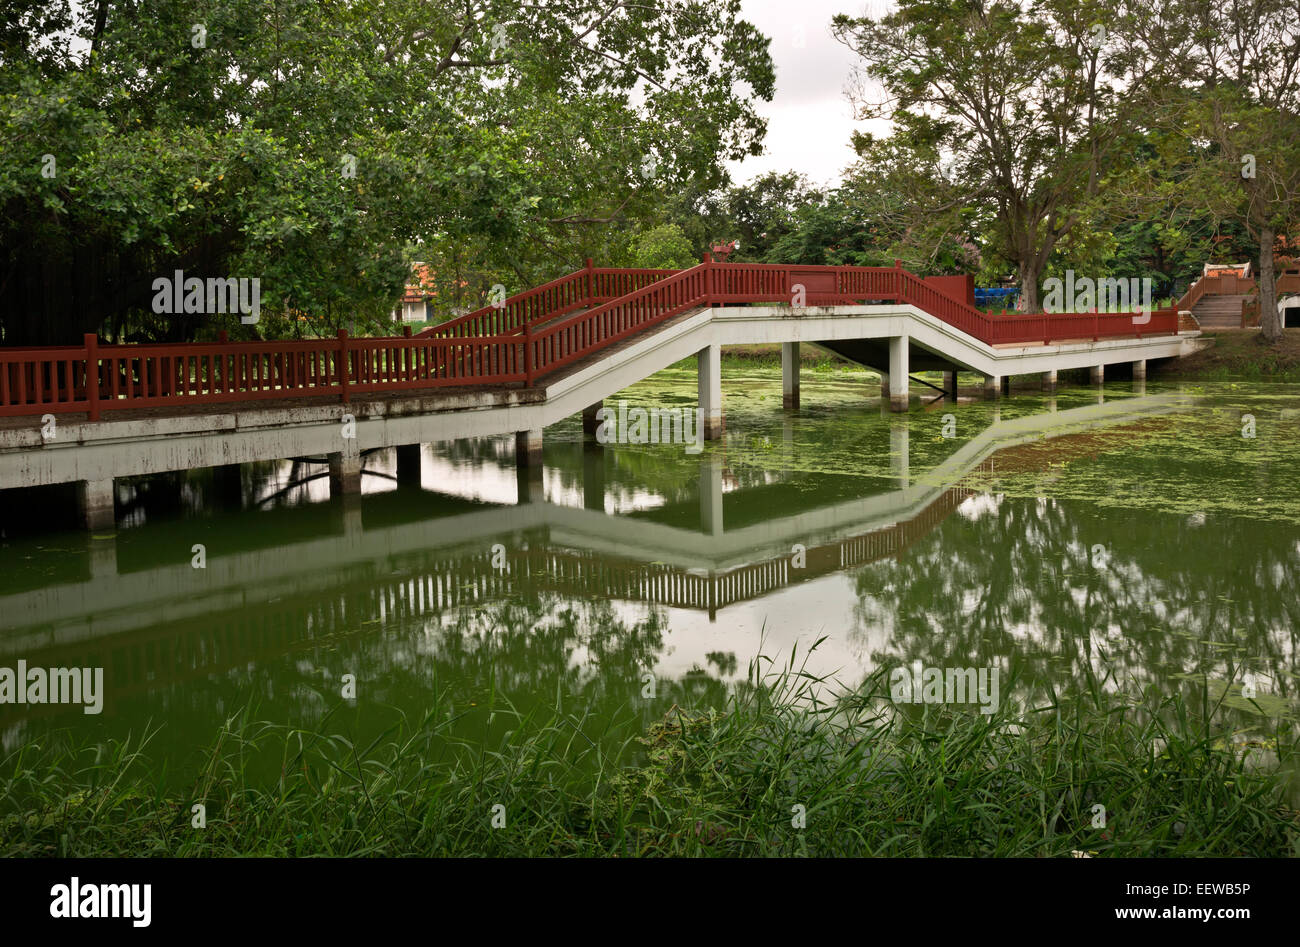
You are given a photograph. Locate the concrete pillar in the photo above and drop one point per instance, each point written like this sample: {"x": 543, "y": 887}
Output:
{"x": 528, "y": 466}
{"x": 992, "y": 386}
{"x": 787, "y": 446}
{"x": 228, "y": 485}
{"x": 900, "y": 465}
{"x": 593, "y": 476}
{"x": 95, "y": 504}
{"x": 1140, "y": 370}
{"x": 1051, "y": 403}
{"x": 103, "y": 557}
{"x": 345, "y": 469}
{"x": 352, "y": 519}
{"x": 898, "y": 373}
{"x": 950, "y": 385}
{"x": 709, "y": 361}
{"x": 528, "y": 448}
{"x": 589, "y": 422}
{"x": 408, "y": 465}
{"x": 711, "y": 495}
{"x": 1097, "y": 374}
{"x": 790, "y": 374}
{"x": 1049, "y": 380}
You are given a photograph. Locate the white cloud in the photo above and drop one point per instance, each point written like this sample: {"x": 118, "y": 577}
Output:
{"x": 810, "y": 118}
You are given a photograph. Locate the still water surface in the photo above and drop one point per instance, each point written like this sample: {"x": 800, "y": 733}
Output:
{"x": 1126, "y": 531}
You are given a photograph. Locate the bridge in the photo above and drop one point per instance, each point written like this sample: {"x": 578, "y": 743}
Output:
{"x": 162, "y": 621}
{"x": 91, "y": 413}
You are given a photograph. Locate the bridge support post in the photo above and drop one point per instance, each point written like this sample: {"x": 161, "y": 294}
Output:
{"x": 1140, "y": 370}
{"x": 528, "y": 466}
{"x": 103, "y": 557}
{"x": 898, "y": 373}
{"x": 589, "y": 422}
{"x": 1049, "y": 380}
{"x": 709, "y": 361}
{"x": 528, "y": 448}
{"x": 992, "y": 386}
{"x": 352, "y": 526}
{"x": 345, "y": 469}
{"x": 228, "y": 484}
{"x": 408, "y": 465}
{"x": 711, "y": 495}
{"x": 95, "y": 504}
{"x": 593, "y": 477}
{"x": 900, "y": 460}
{"x": 790, "y": 375}
{"x": 1097, "y": 374}
{"x": 950, "y": 385}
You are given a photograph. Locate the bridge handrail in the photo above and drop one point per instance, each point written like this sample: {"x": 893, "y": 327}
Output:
{"x": 535, "y": 337}
{"x": 589, "y": 286}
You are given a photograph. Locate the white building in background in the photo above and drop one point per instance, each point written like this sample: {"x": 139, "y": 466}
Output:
{"x": 416, "y": 304}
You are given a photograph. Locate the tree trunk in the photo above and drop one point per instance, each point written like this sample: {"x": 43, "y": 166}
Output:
{"x": 1270, "y": 321}
{"x": 1029, "y": 274}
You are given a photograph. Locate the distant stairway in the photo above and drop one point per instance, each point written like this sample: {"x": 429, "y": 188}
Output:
{"x": 1219, "y": 312}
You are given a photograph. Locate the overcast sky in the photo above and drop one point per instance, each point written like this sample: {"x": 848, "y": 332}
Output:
{"x": 810, "y": 119}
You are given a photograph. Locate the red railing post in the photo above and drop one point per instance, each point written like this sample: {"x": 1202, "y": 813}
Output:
{"x": 591, "y": 281}
{"x": 528, "y": 356}
{"x": 92, "y": 375}
{"x": 343, "y": 363}
{"x": 708, "y": 278}
{"x": 898, "y": 280}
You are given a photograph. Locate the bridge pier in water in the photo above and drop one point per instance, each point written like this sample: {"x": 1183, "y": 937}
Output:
{"x": 992, "y": 387}
{"x": 1097, "y": 375}
{"x": 711, "y": 495}
{"x": 1140, "y": 370}
{"x": 898, "y": 373}
{"x": 528, "y": 466}
{"x": 709, "y": 362}
{"x": 950, "y": 385}
{"x": 900, "y": 460}
{"x": 95, "y": 504}
{"x": 228, "y": 485}
{"x": 345, "y": 469}
{"x": 593, "y": 476}
{"x": 790, "y": 375}
{"x": 408, "y": 465}
{"x": 589, "y": 422}
{"x": 1049, "y": 380}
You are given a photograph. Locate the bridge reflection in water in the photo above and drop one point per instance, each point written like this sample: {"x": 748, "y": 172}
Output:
{"x": 165, "y": 623}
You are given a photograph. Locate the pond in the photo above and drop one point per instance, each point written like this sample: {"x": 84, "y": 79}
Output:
{"x": 1126, "y": 537}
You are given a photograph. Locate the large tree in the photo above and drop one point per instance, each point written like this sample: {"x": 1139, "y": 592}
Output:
{"x": 1015, "y": 98}
{"x": 315, "y": 143}
{"x": 1222, "y": 83}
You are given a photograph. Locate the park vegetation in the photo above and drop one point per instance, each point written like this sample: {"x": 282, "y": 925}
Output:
{"x": 325, "y": 147}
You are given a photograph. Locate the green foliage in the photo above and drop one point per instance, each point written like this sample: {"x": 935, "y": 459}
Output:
{"x": 872, "y": 778}
{"x": 524, "y": 134}
{"x": 663, "y": 248}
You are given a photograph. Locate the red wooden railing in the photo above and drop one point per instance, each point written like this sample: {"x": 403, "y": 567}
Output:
{"x": 534, "y": 334}
{"x": 586, "y": 287}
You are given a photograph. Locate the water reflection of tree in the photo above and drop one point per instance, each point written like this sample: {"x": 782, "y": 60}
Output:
{"x": 1042, "y": 584}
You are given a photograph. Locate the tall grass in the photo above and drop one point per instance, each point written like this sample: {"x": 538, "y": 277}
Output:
{"x": 872, "y": 778}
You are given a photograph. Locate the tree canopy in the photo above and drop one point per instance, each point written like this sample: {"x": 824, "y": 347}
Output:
{"x": 318, "y": 145}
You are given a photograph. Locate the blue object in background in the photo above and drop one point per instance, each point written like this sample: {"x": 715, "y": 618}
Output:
{"x": 999, "y": 295}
